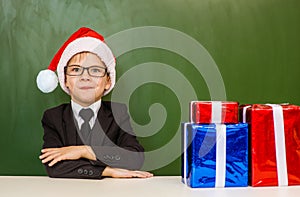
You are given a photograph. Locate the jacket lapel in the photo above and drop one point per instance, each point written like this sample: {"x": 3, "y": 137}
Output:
{"x": 105, "y": 117}
{"x": 71, "y": 135}
{"x": 101, "y": 128}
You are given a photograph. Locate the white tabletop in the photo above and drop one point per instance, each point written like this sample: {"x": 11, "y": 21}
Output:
{"x": 11, "y": 186}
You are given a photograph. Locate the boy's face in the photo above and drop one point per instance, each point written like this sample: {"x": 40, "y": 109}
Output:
{"x": 85, "y": 89}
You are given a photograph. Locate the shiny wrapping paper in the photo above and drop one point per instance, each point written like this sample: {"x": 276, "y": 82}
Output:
{"x": 199, "y": 161}
{"x": 264, "y": 168}
{"x": 214, "y": 112}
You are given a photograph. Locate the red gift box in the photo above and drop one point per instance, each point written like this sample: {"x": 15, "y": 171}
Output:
{"x": 206, "y": 112}
{"x": 274, "y": 144}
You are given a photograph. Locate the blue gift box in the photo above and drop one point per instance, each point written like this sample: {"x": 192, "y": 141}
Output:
{"x": 215, "y": 155}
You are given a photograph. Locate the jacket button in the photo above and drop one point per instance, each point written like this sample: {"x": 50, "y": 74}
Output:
{"x": 117, "y": 157}
{"x": 80, "y": 171}
{"x": 85, "y": 172}
{"x": 91, "y": 172}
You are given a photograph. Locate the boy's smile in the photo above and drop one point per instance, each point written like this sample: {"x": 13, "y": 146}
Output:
{"x": 85, "y": 89}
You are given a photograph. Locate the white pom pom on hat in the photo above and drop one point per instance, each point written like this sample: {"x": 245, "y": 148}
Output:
{"x": 46, "y": 81}
{"x": 83, "y": 40}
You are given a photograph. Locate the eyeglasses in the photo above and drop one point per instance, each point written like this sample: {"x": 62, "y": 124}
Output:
{"x": 93, "y": 71}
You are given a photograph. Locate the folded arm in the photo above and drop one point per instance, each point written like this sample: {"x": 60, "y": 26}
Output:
{"x": 83, "y": 161}
{"x": 70, "y": 156}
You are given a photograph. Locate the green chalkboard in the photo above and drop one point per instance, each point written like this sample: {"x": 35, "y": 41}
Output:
{"x": 168, "y": 52}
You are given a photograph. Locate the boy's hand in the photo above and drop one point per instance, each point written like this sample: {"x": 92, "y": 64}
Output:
{"x": 123, "y": 173}
{"x": 54, "y": 155}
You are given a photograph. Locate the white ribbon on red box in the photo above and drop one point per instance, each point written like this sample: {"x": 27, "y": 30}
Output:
{"x": 279, "y": 142}
{"x": 216, "y": 111}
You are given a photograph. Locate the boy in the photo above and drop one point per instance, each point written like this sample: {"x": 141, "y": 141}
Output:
{"x": 87, "y": 138}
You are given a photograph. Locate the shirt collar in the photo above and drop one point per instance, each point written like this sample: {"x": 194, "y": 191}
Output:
{"x": 76, "y": 107}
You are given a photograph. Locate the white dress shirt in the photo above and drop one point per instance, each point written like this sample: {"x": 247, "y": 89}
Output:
{"x": 76, "y": 109}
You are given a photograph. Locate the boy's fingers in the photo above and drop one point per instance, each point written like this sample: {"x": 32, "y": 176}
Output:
{"x": 54, "y": 161}
{"x": 50, "y": 158}
{"x": 142, "y": 174}
{"x": 48, "y": 150}
{"x": 47, "y": 154}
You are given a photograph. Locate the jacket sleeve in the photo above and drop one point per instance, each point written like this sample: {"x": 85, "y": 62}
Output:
{"x": 53, "y": 138}
{"x": 121, "y": 148}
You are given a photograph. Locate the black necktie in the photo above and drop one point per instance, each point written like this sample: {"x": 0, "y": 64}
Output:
{"x": 86, "y": 115}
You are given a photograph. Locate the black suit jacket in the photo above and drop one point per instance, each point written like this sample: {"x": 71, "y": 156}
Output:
{"x": 117, "y": 145}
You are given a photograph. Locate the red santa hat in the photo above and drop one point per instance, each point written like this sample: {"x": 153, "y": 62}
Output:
{"x": 83, "y": 40}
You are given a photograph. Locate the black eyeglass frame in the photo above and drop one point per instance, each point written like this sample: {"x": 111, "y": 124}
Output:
{"x": 85, "y": 68}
